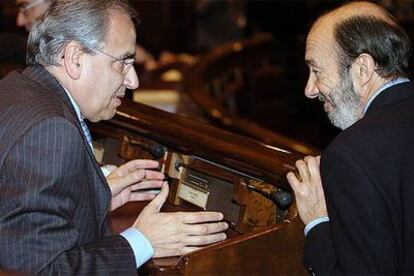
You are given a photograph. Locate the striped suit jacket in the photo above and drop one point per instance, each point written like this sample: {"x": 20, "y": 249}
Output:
{"x": 53, "y": 196}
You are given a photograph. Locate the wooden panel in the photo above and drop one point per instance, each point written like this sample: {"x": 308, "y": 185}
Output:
{"x": 263, "y": 238}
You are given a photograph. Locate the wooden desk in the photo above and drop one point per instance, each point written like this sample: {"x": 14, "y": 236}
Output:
{"x": 213, "y": 169}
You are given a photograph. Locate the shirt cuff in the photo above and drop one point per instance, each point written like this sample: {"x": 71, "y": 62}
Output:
{"x": 142, "y": 248}
{"x": 107, "y": 169}
{"x": 313, "y": 223}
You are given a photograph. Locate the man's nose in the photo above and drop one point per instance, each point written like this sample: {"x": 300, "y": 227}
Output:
{"x": 311, "y": 90}
{"x": 131, "y": 80}
{"x": 21, "y": 19}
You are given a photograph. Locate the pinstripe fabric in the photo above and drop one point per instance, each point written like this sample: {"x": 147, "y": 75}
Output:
{"x": 53, "y": 196}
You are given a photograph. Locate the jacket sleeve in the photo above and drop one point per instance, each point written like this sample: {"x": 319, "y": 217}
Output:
{"x": 47, "y": 219}
{"x": 319, "y": 255}
{"x": 359, "y": 238}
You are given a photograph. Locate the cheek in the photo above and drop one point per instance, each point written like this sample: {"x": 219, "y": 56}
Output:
{"x": 325, "y": 86}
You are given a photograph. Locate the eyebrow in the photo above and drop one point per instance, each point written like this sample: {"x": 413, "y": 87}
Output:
{"x": 128, "y": 56}
{"x": 311, "y": 62}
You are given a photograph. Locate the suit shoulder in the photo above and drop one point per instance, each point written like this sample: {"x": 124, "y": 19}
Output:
{"x": 385, "y": 134}
{"x": 25, "y": 99}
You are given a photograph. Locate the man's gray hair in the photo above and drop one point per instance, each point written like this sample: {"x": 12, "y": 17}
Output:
{"x": 83, "y": 21}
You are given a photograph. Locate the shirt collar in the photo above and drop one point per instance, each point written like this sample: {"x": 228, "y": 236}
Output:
{"x": 382, "y": 88}
{"x": 75, "y": 105}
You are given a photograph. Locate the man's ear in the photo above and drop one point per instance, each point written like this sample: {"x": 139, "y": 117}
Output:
{"x": 364, "y": 69}
{"x": 72, "y": 59}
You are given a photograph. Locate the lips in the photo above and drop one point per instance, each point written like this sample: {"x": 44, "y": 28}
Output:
{"x": 326, "y": 106}
{"x": 117, "y": 99}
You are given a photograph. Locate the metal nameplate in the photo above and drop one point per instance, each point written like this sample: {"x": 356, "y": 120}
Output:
{"x": 194, "y": 187}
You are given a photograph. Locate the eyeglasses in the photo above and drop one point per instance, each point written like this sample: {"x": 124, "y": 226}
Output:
{"x": 25, "y": 6}
{"x": 126, "y": 62}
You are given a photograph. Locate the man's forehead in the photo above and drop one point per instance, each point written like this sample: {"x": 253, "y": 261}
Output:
{"x": 319, "y": 42}
{"x": 121, "y": 33}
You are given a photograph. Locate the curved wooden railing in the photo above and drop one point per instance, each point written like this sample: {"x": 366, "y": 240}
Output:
{"x": 190, "y": 136}
{"x": 227, "y": 74}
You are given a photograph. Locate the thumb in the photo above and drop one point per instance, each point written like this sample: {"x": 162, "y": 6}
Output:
{"x": 155, "y": 205}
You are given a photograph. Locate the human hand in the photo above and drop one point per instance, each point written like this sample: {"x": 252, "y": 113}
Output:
{"x": 126, "y": 181}
{"x": 310, "y": 198}
{"x": 172, "y": 234}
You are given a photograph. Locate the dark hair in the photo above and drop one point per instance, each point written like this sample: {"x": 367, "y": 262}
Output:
{"x": 83, "y": 21}
{"x": 387, "y": 43}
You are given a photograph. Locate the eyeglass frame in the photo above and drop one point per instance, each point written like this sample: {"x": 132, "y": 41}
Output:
{"x": 126, "y": 62}
{"x": 28, "y": 6}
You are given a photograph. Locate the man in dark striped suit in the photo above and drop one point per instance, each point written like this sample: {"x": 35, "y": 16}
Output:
{"x": 53, "y": 196}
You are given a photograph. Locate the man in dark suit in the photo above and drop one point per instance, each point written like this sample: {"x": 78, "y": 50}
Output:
{"x": 13, "y": 46}
{"x": 358, "y": 58}
{"x": 54, "y": 198}
{"x": 29, "y": 11}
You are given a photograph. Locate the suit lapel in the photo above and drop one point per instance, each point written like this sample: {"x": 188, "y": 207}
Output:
{"x": 46, "y": 80}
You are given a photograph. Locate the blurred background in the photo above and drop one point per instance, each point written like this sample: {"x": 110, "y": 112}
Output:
{"x": 187, "y": 30}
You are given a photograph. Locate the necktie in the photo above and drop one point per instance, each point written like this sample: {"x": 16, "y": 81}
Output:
{"x": 87, "y": 133}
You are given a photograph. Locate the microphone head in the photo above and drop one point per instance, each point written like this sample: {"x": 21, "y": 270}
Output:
{"x": 282, "y": 199}
{"x": 157, "y": 151}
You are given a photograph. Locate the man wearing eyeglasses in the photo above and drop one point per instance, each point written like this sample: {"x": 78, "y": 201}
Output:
{"x": 29, "y": 11}
{"x": 13, "y": 46}
{"x": 54, "y": 198}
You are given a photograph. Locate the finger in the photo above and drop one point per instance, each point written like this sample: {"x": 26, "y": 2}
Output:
{"x": 293, "y": 181}
{"x": 155, "y": 205}
{"x": 198, "y": 217}
{"x": 204, "y": 229}
{"x": 314, "y": 170}
{"x": 319, "y": 159}
{"x": 189, "y": 249}
{"x": 120, "y": 182}
{"x": 140, "y": 175}
{"x": 204, "y": 240}
{"x": 134, "y": 165}
{"x": 142, "y": 164}
{"x": 303, "y": 170}
{"x": 153, "y": 175}
{"x": 143, "y": 196}
{"x": 169, "y": 250}
{"x": 152, "y": 184}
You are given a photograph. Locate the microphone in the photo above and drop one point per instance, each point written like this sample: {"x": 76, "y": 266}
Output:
{"x": 155, "y": 149}
{"x": 281, "y": 198}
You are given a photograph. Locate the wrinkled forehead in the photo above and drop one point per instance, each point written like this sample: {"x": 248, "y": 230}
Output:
{"x": 32, "y": 5}
{"x": 320, "y": 44}
{"x": 22, "y": 3}
{"x": 121, "y": 32}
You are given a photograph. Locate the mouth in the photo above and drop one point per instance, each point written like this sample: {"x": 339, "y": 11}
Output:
{"x": 117, "y": 99}
{"x": 119, "y": 94}
{"x": 327, "y": 102}
{"x": 327, "y": 106}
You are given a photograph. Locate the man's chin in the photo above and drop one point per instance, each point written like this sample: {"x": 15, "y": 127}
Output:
{"x": 341, "y": 122}
{"x": 105, "y": 116}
